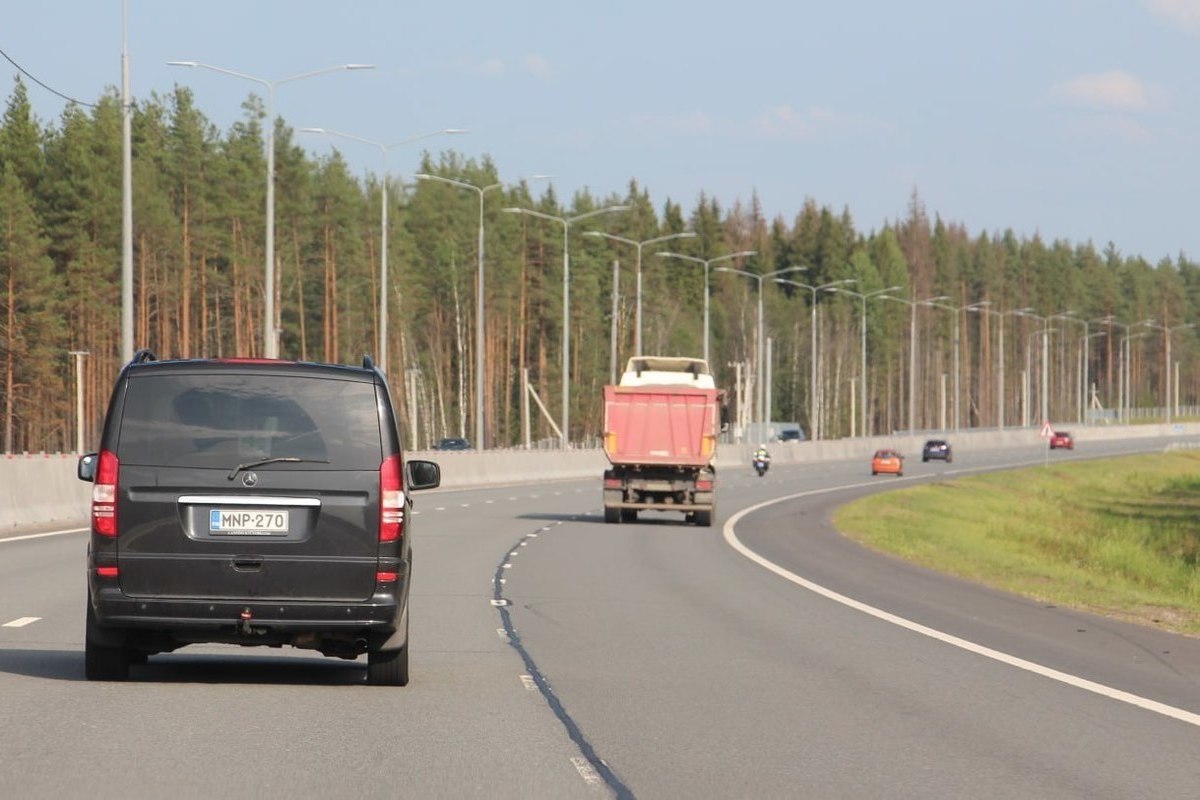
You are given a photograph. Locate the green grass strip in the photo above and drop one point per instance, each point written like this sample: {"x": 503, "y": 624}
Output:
{"x": 1119, "y": 537}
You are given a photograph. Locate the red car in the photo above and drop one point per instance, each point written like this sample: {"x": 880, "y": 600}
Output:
{"x": 1062, "y": 439}
{"x": 887, "y": 461}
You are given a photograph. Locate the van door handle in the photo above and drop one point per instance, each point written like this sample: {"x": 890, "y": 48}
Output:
{"x": 247, "y": 563}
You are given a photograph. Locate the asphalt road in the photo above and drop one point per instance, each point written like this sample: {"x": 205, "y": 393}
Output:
{"x": 556, "y": 656}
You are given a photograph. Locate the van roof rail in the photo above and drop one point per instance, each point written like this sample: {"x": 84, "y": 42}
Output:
{"x": 368, "y": 362}
{"x": 143, "y": 355}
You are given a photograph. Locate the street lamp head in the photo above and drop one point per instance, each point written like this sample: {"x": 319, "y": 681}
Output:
{"x": 358, "y": 66}
{"x": 183, "y": 63}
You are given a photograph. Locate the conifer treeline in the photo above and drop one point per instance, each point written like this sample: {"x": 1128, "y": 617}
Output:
{"x": 199, "y": 221}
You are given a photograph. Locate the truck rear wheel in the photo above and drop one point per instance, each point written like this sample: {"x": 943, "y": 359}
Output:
{"x": 629, "y": 515}
{"x": 704, "y": 518}
{"x": 612, "y": 515}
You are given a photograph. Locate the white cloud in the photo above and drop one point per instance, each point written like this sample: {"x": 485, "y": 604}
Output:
{"x": 1184, "y": 12}
{"x": 1115, "y": 90}
{"x": 691, "y": 124}
{"x": 537, "y": 66}
{"x": 785, "y": 122}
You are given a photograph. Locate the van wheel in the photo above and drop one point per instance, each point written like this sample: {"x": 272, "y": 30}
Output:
{"x": 388, "y": 667}
{"x": 100, "y": 662}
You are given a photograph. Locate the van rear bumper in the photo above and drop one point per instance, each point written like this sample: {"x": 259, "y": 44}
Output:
{"x": 248, "y": 620}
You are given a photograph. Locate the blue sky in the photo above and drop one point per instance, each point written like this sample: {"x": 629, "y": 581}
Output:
{"x": 1075, "y": 119}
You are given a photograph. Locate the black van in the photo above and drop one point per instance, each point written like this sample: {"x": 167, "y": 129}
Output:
{"x": 251, "y": 502}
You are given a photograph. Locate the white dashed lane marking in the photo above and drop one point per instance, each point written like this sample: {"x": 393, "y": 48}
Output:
{"x": 20, "y": 623}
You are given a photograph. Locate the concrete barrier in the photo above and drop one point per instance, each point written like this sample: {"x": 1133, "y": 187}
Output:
{"x": 42, "y": 489}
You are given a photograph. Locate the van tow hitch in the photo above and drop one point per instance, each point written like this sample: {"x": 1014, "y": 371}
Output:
{"x": 243, "y": 624}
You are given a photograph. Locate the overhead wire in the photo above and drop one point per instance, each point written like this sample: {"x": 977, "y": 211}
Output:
{"x": 50, "y": 89}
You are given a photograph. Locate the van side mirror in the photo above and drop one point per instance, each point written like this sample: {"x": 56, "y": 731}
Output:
{"x": 422, "y": 474}
{"x": 86, "y": 469}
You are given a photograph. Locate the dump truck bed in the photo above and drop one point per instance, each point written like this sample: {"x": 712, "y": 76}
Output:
{"x": 661, "y": 425}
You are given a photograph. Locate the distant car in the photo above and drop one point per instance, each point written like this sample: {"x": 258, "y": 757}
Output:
{"x": 453, "y": 444}
{"x": 887, "y": 461}
{"x": 937, "y": 449}
{"x": 1063, "y": 440}
{"x": 791, "y": 435}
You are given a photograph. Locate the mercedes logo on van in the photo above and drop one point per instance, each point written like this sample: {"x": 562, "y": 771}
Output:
{"x": 249, "y": 479}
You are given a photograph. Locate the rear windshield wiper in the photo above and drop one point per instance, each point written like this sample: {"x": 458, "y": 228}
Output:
{"x": 276, "y": 460}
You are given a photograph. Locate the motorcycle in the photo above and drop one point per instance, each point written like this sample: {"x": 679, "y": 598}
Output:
{"x": 761, "y": 465}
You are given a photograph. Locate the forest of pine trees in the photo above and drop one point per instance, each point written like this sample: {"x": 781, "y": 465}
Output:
{"x": 199, "y": 227}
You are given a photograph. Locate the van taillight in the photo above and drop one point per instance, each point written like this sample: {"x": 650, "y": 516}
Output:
{"x": 391, "y": 500}
{"x": 104, "y": 495}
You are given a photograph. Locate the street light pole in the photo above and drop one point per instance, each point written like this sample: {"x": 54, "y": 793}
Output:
{"x": 1087, "y": 387}
{"x": 637, "y": 334}
{"x": 707, "y": 262}
{"x": 813, "y": 405}
{"x": 566, "y": 332}
{"x": 862, "y": 373}
{"x": 270, "y": 330}
{"x": 383, "y": 147}
{"x": 760, "y": 345}
{"x": 479, "y": 297}
{"x": 1167, "y": 330}
{"x": 126, "y": 194}
{"x": 79, "y": 354}
{"x": 957, "y": 360}
{"x": 1126, "y": 386}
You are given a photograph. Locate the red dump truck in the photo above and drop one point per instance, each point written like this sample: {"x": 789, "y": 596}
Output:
{"x": 661, "y": 425}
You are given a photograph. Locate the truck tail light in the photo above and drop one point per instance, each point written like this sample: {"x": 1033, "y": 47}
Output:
{"x": 704, "y": 486}
{"x": 391, "y": 500}
{"x": 104, "y": 495}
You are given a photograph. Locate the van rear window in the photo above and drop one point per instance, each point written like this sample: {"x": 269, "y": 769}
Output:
{"x": 220, "y": 420}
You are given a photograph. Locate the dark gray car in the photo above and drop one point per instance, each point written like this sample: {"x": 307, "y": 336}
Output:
{"x": 250, "y": 502}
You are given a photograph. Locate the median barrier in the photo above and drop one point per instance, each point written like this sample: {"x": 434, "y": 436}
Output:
{"x": 42, "y": 489}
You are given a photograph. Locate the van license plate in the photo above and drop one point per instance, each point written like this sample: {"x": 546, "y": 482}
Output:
{"x": 247, "y": 521}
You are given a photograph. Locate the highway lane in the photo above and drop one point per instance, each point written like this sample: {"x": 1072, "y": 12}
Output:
{"x": 220, "y": 721}
{"x": 655, "y": 651}
{"x": 694, "y": 672}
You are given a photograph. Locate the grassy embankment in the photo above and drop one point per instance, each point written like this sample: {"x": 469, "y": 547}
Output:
{"x": 1119, "y": 537}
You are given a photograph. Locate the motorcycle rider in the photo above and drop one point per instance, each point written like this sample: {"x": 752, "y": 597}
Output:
{"x": 762, "y": 455}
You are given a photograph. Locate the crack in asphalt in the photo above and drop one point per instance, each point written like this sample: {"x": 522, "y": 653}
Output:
{"x": 572, "y": 728}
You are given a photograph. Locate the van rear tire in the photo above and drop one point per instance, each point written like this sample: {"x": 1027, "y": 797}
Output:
{"x": 102, "y": 662}
{"x": 388, "y": 667}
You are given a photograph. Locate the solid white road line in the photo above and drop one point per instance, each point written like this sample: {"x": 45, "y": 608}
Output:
{"x": 1071, "y": 680}
{"x": 43, "y": 535}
